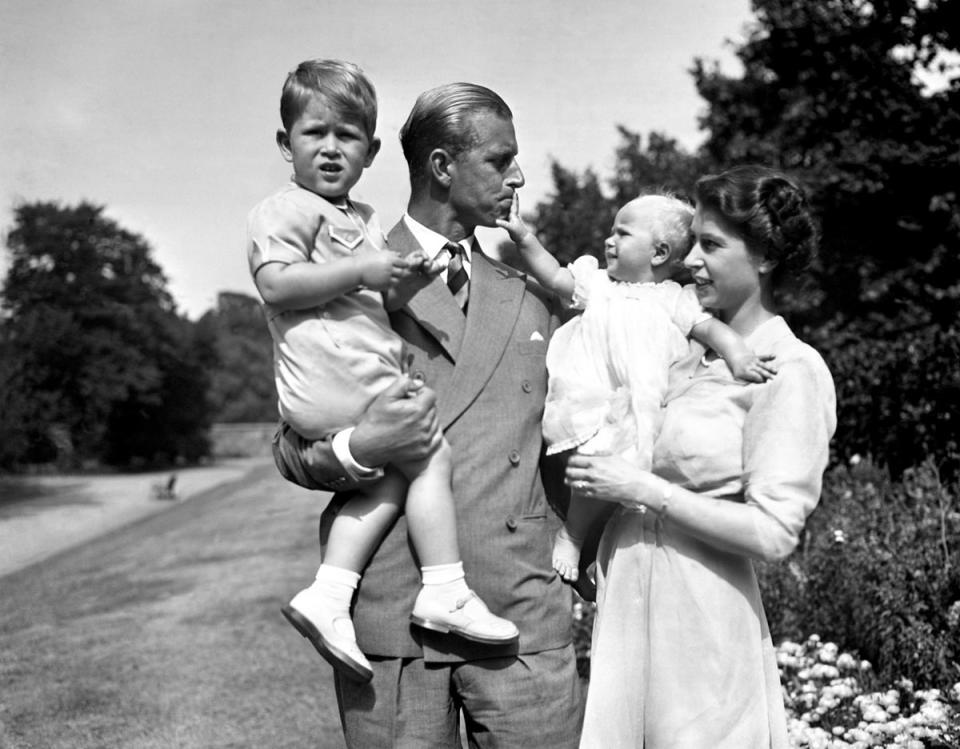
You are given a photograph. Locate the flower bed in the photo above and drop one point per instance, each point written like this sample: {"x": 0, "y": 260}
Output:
{"x": 833, "y": 702}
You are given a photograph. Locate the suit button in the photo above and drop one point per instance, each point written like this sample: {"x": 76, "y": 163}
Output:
{"x": 526, "y": 386}
{"x": 418, "y": 375}
{"x": 514, "y": 458}
{"x": 511, "y": 523}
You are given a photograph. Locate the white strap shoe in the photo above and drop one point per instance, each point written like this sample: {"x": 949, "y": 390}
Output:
{"x": 330, "y": 633}
{"x": 469, "y": 618}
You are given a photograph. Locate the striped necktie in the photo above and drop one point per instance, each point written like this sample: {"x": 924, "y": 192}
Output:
{"x": 457, "y": 279}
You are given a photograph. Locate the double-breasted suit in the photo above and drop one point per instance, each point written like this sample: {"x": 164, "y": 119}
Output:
{"x": 489, "y": 374}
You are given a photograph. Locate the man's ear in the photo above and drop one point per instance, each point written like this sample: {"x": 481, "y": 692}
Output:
{"x": 283, "y": 142}
{"x": 439, "y": 165}
{"x": 372, "y": 152}
{"x": 661, "y": 254}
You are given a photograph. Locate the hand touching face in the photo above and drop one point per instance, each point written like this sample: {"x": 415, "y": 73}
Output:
{"x": 483, "y": 178}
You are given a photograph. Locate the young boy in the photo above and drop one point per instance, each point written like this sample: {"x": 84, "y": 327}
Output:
{"x": 608, "y": 367}
{"x": 320, "y": 263}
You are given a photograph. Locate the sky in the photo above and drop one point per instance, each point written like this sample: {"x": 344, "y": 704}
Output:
{"x": 165, "y": 111}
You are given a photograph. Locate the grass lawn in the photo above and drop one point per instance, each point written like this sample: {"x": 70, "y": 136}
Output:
{"x": 168, "y": 633}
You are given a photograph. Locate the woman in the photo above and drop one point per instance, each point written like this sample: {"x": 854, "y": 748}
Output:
{"x": 682, "y": 657}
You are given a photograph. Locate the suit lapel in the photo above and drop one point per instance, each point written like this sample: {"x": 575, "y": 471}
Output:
{"x": 476, "y": 343}
{"x": 496, "y": 293}
{"x": 433, "y": 307}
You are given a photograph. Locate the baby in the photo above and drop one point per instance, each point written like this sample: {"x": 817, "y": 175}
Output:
{"x": 320, "y": 263}
{"x": 608, "y": 367}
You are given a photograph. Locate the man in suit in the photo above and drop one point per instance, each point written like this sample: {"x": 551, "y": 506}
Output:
{"x": 481, "y": 349}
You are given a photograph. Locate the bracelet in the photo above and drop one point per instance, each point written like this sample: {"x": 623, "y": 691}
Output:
{"x": 665, "y": 497}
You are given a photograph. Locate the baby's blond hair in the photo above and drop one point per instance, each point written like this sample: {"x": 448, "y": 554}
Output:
{"x": 670, "y": 221}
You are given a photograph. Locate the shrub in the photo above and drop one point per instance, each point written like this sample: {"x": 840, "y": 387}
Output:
{"x": 877, "y": 572}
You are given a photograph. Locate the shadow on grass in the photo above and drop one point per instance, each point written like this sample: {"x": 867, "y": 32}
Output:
{"x": 24, "y": 496}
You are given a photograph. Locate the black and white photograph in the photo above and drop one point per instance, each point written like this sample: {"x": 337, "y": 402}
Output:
{"x": 479, "y": 375}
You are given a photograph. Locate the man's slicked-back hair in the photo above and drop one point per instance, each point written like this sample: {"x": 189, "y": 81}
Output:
{"x": 440, "y": 118}
{"x": 342, "y": 84}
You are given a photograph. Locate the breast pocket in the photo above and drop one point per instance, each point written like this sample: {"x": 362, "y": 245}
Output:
{"x": 532, "y": 348}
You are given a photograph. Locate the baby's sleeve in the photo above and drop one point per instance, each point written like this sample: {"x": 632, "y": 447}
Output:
{"x": 278, "y": 232}
{"x": 584, "y": 271}
{"x": 687, "y": 310}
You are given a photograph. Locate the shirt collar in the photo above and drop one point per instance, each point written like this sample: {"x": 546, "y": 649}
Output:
{"x": 432, "y": 242}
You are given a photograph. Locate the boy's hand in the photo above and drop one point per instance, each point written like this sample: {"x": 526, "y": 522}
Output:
{"x": 419, "y": 263}
{"x": 514, "y": 225}
{"x": 382, "y": 269}
{"x": 753, "y": 368}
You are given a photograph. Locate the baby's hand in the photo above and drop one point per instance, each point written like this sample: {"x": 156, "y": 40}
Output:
{"x": 753, "y": 368}
{"x": 382, "y": 269}
{"x": 514, "y": 225}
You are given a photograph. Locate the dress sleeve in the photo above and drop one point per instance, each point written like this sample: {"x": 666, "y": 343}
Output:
{"x": 278, "y": 232}
{"x": 786, "y": 436}
{"x": 687, "y": 311}
{"x": 584, "y": 271}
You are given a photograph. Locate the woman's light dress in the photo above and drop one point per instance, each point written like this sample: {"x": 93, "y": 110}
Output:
{"x": 682, "y": 658}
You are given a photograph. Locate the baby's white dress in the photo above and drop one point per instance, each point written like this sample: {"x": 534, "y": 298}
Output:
{"x": 608, "y": 367}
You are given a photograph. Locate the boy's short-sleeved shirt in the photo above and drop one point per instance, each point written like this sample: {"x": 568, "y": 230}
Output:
{"x": 330, "y": 361}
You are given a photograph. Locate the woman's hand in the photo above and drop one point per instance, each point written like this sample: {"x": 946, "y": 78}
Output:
{"x": 613, "y": 478}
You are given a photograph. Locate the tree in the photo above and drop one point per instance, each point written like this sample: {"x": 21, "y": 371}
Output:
{"x": 831, "y": 92}
{"x": 242, "y": 387}
{"x": 578, "y": 216}
{"x": 99, "y": 358}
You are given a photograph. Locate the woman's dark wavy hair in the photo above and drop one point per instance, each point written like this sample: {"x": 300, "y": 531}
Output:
{"x": 770, "y": 213}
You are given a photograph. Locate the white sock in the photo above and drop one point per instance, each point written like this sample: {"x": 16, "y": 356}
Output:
{"x": 444, "y": 580}
{"x": 336, "y": 584}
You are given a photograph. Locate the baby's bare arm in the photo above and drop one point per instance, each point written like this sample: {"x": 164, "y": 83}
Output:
{"x": 543, "y": 265}
{"x": 743, "y": 362}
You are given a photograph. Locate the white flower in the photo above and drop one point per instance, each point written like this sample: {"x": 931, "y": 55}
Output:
{"x": 846, "y": 661}
{"x": 955, "y": 692}
{"x": 829, "y": 650}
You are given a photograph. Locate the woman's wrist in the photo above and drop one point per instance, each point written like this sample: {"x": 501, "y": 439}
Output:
{"x": 653, "y": 494}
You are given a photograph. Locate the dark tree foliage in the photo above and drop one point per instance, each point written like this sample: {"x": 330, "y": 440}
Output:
{"x": 96, "y": 357}
{"x": 242, "y": 387}
{"x": 662, "y": 166}
{"x": 829, "y": 93}
{"x": 578, "y": 216}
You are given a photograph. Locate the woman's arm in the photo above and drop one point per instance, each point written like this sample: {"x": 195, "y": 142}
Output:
{"x": 785, "y": 443}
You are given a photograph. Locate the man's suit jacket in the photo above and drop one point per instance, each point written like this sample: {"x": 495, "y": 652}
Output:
{"x": 489, "y": 373}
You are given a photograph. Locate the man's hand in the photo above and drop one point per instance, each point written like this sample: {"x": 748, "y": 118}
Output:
{"x": 399, "y": 425}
